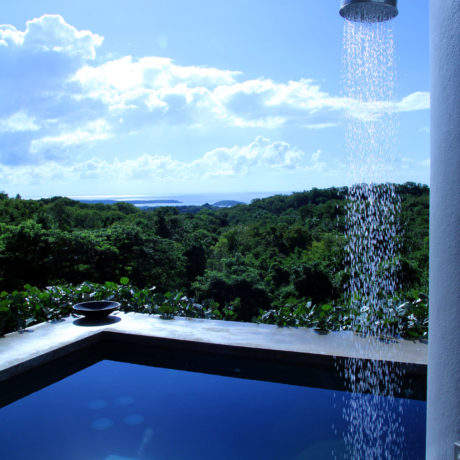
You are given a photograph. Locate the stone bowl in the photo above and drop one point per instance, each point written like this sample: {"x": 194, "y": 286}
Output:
{"x": 96, "y": 309}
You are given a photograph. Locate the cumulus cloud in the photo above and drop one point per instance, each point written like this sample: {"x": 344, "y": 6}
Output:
{"x": 175, "y": 93}
{"x": 316, "y": 155}
{"x": 415, "y": 101}
{"x": 50, "y": 33}
{"x": 56, "y": 95}
{"x": 17, "y": 122}
{"x": 93, "y": 131}
{"x": 373, "y": 110}
{"x": 236, "y": 161}
{"x": 239, "y": 160}
{"x": 150, "y": 84}
{"x": 38, "y": 62}
{"x": 158, "y": 85}
{"x": 317, "y": 164}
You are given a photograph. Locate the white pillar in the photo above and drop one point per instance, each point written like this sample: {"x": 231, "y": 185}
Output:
{"x": 443, "y": 424}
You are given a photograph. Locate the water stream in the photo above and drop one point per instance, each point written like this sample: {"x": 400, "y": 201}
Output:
{"x": 372, "y": 230}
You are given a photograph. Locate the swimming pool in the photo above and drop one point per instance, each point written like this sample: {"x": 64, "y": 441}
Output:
{"x": 121, "y": 411}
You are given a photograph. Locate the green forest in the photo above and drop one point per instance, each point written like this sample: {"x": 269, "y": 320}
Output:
{"x": 278, "y": 260}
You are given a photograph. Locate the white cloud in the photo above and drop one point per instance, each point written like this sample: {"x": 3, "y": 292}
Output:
{"x": 415, "y": 101}
{"x": 160, "y": 86}
{"x": 97, "y": 130}
{"x": 37, "y": 64}
{"x": 147, "y": 83}
{"x": 18, "y": 122}
{"x": 58, "y": 95}
{"x": 316, "y": 155}
{"x": 237, "y": 160}
{"x": 233, "y": 161}
{"x": 372, "y": 110}
{"x": 10, "y": 35}
{"x": 321, "y": 125}
{"x": 269, "y": 104}
{"x": 157, "y": 85}
{"x": 50, "y": 33}
{"x": 316, "y": 163}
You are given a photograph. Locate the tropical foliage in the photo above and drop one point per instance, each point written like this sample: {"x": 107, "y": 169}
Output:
{"x": 278, "y": 260}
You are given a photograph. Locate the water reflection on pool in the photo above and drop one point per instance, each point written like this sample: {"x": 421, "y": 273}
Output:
{"x": 122, "y": 411}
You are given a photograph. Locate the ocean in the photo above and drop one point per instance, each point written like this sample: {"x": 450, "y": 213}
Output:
{"x": 217, "y": 199}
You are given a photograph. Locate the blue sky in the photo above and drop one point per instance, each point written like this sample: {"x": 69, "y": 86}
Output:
{"x": 150, "y": 97}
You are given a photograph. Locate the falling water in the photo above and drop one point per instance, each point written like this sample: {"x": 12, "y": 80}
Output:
{"x": 372, "y": 214}
{"x": 374, "y": 431}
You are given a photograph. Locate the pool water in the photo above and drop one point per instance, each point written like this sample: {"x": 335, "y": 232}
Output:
{"x": 121, "y": 411}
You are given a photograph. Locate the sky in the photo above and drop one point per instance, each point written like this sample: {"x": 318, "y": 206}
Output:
{"x": 155, "y": 97}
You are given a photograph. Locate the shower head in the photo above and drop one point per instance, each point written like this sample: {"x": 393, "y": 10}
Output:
{"x": 369, "y": 10}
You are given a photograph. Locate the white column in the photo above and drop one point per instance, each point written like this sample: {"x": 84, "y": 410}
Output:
{"x": 443, "y": 427}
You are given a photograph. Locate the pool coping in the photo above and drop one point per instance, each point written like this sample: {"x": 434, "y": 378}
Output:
{"x": 196, "y": 344}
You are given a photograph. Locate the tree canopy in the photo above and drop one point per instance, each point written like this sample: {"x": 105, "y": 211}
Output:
{"x": 280, "y": 250}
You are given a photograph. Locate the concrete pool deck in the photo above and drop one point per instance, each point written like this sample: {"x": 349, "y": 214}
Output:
{"x": 131, "y": 335}
{"x": 17, "y": 348}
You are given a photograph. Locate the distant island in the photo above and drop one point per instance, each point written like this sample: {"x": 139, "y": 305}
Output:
{"x": 149, "y": 203}
{"x": 227, "y": 203}
{"x": 136, "y": 202}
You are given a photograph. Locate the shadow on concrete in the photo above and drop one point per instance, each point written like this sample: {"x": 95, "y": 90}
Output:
{"x": 87, "y": 322}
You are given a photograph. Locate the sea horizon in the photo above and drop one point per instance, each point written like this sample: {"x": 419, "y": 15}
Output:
{"x": 192, "y": 199}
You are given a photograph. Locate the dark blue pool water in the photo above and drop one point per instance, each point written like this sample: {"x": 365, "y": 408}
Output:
{"x": 120, "y": 411}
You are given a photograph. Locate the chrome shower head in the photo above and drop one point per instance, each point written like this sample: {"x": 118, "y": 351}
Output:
{"x": 369, "y": 10}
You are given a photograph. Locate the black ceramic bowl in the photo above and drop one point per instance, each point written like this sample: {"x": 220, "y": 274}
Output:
{"x": 96, "y": 309}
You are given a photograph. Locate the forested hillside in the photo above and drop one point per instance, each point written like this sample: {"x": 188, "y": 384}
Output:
{"x": 265, "y": 260}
